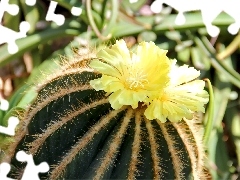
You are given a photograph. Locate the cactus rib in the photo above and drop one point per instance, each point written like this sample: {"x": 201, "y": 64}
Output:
{"x": 132, "y": 170}
{"x": 154, "y": 146}
{"x": 73, "y": 128}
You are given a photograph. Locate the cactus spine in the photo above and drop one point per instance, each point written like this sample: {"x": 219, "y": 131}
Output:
{"x": 73, "y": 128}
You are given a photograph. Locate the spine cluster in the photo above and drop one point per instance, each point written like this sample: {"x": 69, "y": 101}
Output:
{"x": 74, "y": 129}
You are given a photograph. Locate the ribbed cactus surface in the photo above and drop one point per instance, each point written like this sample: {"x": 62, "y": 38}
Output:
{"x": 74, "y": 129}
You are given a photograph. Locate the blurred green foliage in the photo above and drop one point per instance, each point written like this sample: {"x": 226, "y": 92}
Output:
{"x": 102, "y": 22}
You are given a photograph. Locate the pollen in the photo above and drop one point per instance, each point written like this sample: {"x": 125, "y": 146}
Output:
{"x": 131, "y": 76}
{"x": 164, "y": 97}
{"x": 136, "y": 79}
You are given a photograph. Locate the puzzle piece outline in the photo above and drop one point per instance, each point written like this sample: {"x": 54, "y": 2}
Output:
{"x": 4, "y": 105}
{"x": 12, "y": 121}
{"x": 12, "y": 48}
{"x": 59, "y": 19}
{"x": 10, "y": 129}
{"x": 8, "y": 35}
{"x": 76, "y": 11}
{"x": 231, "y": 7}
{"x": 51, "y": 16}
{"x": 31, "y": 170}
{"x": 4, "y": 170}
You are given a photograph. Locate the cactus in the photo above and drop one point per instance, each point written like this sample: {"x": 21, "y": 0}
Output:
{"x": 75, "y": 130}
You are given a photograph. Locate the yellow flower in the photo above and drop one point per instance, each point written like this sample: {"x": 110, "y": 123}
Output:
{"x": 180, "y": 98}
{"x": 131, "y": 77}
{"x": 147, "y": 75}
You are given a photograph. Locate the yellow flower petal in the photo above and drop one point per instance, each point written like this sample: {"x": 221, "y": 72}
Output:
{"x": 117, "y": 56}
{"x": 104, "y": 68}
{"x": 179, "y": 100}
{"x": 132, "y": 77}
{"x": 154, "y": 63}
{"x": 124, "y": 97}
{"x": 147, "y": 75}
{"x": 106, "y": 83}
{"x": 111, "y": 84}
{"x": 114, "y": 99}
{"x": 154, "y": 111}
{"x": 182, "y": 74}
{"x": 97, "y": 84}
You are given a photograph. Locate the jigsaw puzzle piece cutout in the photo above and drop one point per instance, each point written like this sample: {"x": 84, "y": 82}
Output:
{"x": 31, "y": 171}
{"x": 232, "y": 8}
{"x": 205, "y": 6}
{"x": 4, "y": 170}
{"x": 208, "y": 18}
{"x": 9, "y": 36}
{"x": 234, "y": 28}
{"x": 156, "y": 6}
{"x": 30, "y": 2}
{"x": 181, "y": 6}
{"x": 12, "y": 123}
{"x": 76, "y": 11}
{"x": 4, "y": 104}
{"x": 51, "y": 16}
{"x": 12, "y": 9}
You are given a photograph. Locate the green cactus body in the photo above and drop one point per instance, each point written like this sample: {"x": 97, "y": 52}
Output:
{"x": 74, "y": 129}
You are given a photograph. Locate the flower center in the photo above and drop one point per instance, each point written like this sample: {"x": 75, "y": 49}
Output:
{"x": 136, "y": 79}
{"x": 164, "y": 97}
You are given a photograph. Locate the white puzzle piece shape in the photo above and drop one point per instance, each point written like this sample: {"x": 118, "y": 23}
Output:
{"x": 7, "y": 35}
{"x": 4, "y": 170}
{"x": 31, "y": 171}
{"x": 210, "y": 9}
{"x": 51, "y": 16}
{"x": 4, "y": 104}
{"x": 12, "y": 124}
{"x": 30, "y": 2}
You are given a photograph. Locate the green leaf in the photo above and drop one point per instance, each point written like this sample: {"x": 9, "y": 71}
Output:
{"x": 17, "y": 96}
{"x": 199, "y": 60}
{"x": 184, "y": 55}
{"x": 216, "y": 145}
{"x": 229, "y": 72}
{"x": 31, "y": 13}
{"x": 173, "y": 35}
{"x": 11, "y": 21}
{"x": 233, "y": 122}
{"x": 147, "y": 36}
{"x": 68, "y": 4}
{"x": 32, "y": 41}
{"x": 135, "y": 6}
{"x": 210, "y": 113}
